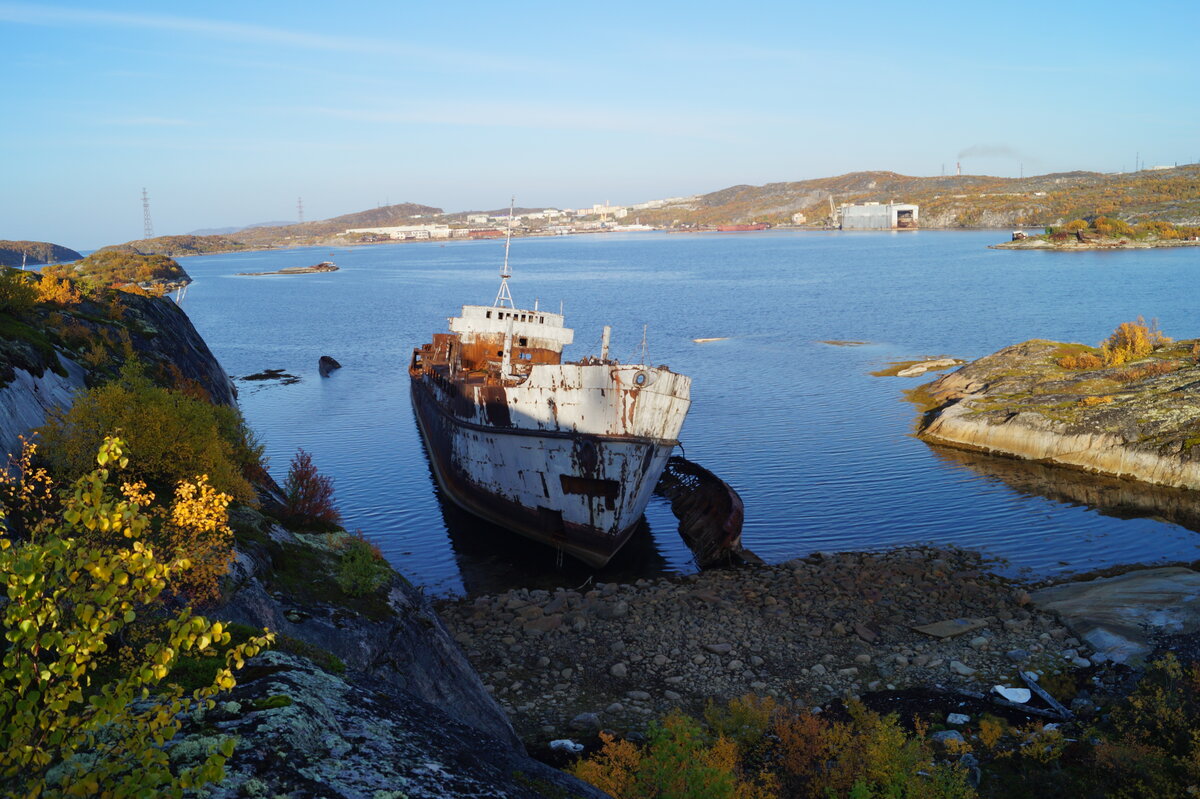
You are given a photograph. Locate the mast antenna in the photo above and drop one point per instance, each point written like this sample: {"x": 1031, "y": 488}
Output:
{"x": 504, "y": 295}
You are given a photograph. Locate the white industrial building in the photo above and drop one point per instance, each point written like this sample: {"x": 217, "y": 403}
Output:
{"x": 407, "y": 231}
{"x": 879, "y": 216}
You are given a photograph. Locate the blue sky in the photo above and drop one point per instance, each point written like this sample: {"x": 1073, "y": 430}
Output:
{"x": 227, "y": 112}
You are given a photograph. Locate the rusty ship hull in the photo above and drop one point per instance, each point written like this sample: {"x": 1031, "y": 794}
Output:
{"x": 567, "y": 454}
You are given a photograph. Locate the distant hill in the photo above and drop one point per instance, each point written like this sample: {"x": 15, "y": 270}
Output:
{"x": 225, "y": 231}
{"x": 269, "y": 235}
{"x": 1171, "y": 195}
{"x": 180, "y": 245}
{"x": 1168, "y": 195}
{"x": 34, "y": 253}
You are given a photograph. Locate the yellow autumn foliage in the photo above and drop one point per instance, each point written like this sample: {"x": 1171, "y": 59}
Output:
{"x": 57, "y": 292}
{"x": 1132, "y": 340}
{"x": 66, "y": 730}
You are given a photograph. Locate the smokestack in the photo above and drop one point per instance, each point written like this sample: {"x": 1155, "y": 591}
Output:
{"x": 958, "y": 167}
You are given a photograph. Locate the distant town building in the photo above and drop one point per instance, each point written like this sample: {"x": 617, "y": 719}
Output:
{"x": 477, "y": 219}
{"x": 407, "y": 231}
{"x": 799, "y": 218}
{"x": 879, "y": 216}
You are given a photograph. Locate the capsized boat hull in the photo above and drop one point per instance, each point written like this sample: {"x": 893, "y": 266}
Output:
{"x": 583, "y": 494}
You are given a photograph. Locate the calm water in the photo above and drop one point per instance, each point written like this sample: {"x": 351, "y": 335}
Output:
{"x": 820, "y": 451}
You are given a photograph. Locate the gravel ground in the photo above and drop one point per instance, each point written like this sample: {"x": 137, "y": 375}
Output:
{"x": 615, "y": 656}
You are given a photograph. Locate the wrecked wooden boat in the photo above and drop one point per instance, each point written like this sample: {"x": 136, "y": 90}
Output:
{"x": 709, "y": 511}
{"x": 565, "y": 453}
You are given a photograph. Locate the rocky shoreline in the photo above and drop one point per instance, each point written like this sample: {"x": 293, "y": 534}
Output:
{"x": 812, "y": 630}
{"x": 1135, "y": 420}
{"x": 1070, "y": 244}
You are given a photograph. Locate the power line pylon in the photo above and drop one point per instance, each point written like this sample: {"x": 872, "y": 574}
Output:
{"x": 148, "y": 225}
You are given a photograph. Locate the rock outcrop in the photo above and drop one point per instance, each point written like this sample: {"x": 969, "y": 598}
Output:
{"x": 1120, "y": 617}
{"x": 395, "y": 707}
{"x": 43, "y": 361}
{"x": 303, "y": 731}
{"x": 1140, "y": 420}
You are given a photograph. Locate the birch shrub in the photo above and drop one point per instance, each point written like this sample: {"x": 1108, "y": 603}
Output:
{"x": 75, "y": 584}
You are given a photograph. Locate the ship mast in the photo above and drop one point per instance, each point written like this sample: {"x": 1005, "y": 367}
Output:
{"x": 504, "y": 295}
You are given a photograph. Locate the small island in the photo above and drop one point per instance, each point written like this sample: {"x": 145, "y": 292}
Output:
{"x": 1124, "y": 408}
{"x": 324, "y": 266}
{"x": 1105, "y": 233}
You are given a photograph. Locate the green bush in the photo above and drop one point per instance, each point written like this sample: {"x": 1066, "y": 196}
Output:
{"x": 361, "y": 570}
{"x": 171, "y": 436}
{"x": 17, "y": 293}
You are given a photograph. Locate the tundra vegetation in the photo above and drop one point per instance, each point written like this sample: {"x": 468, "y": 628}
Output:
{"x": 1146, "y": 744}
{"x": 1107, "y": 227}
{"x": 1130, "y": 341}
{"x": 123, "y": 268}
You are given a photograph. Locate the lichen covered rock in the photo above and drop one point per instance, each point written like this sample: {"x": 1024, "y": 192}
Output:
{"x": 360, "y": 741}
{"x": 1138, "y": 420}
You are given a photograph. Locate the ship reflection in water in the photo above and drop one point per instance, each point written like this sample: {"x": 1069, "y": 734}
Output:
{"x": 491, "y": 559}
{"x": 1109, "y": 496}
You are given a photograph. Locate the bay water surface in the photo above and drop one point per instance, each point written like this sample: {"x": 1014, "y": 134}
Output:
{"x": 820, "y": 451}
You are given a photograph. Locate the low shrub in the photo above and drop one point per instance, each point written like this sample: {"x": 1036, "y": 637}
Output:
{"x": 171, "y": 437}
{"x": 308, "y": 496}
{"x": 1132, "y": 340}
{"x": 1088, "y": 402}
{"x": 1084, "y": 360}
{"x": 1142, "y": 372}
{"x": 1155, "y": 750}
{"x": 361, "y": 569}
{"x": 57, "y": 292}
{"x": 775, "y": 752}
{"x": 18, "y": 293}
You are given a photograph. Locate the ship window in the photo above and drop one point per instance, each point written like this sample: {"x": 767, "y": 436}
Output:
{"x": 500, "y": 353}
{"x": 542, "y": 320}
{"x": 522, "y": 342}
{"x": 489, "y": 314}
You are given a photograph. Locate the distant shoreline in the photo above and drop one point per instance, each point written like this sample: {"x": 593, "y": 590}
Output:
{"x": 1039, "y": 243}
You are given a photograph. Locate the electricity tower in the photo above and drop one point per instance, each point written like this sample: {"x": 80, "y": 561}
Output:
{"x": 149, "y": 226}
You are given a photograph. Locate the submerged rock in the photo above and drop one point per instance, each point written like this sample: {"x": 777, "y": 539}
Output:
{"x": 326, "y": 365}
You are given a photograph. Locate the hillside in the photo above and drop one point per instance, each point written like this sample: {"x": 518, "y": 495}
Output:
{"x": 952, "y": 201}
{"x": 33, "y": 253}
{"x": 303, "y": 234}
{"x": 1171, "y": 195}
{"x": 181, "y": 245}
